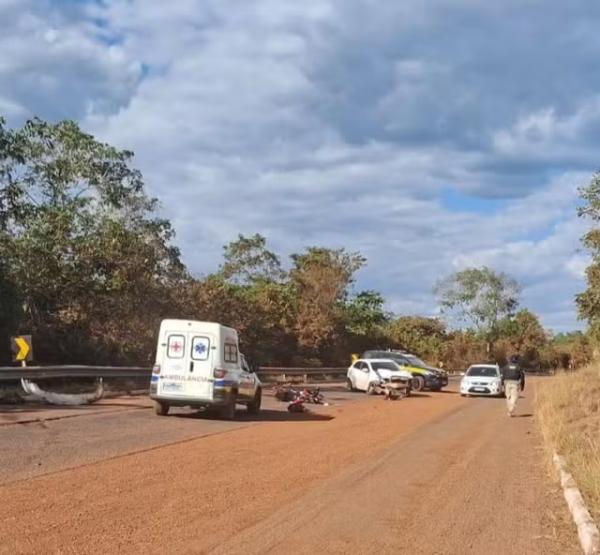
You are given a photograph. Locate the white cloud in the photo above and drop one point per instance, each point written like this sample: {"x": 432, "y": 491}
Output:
{"x": 53, "y": 64}
{"x": 336, "y": 123}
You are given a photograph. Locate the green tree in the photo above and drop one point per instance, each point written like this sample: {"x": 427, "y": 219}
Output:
{"x": 92, "y": 262}
{"x": 480, "y": 297}
{"x": 365, "y": 314}
{"x": 588, "y": 302}
{"x": 418, "y": 334}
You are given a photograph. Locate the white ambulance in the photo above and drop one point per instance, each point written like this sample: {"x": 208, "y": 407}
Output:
{"x": 198, "y": 364}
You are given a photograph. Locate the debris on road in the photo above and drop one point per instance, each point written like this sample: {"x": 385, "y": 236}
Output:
{"x": 391, "y": 389}
{"x": 69, "y": 399}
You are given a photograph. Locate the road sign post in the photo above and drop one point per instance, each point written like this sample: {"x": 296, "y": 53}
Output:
{"x": 22, "y": 348}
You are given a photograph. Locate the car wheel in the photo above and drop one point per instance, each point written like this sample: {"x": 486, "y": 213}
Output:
{"x": 349, "y": 385}
{"x": 161, "y": 409}
{"x": 254, "y": 405}
{"x": 371, "y": 389}
{"x": 418, "y": 383}
{"x": 227, "y": 412}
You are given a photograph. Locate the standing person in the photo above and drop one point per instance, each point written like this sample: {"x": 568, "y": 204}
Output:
{"x": 514, "y": 382}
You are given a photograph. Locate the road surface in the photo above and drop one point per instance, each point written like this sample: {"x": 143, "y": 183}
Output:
{"x": 435, "y": 473}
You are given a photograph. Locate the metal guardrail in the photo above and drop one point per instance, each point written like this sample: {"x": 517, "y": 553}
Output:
{"x": 11, "y": 373}
{"x": 288, "y": 374}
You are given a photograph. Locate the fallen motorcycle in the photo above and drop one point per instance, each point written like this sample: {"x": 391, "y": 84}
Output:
{"x": 297, "y": 398}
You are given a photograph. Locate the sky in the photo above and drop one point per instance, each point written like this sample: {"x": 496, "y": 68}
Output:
{"x": 430, "y": 135}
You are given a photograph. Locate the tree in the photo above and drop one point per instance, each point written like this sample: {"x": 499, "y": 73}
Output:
{"x": 248, "y": 260}
{"x": 588, "y": 302}
{"x": 524, "y": 335}
{"x": 572, "y": 349}
{"x": 321, "y": 278}
{"x": 94, "y": 266}
{"x": 364, "y": 313}
{"x": 418, "y": 334}
{"x": 461, "y": 349}
{"x": 481, "y": 297}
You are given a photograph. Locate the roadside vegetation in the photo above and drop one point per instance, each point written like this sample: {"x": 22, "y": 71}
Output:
{"x": 568, "y": 409}
{"x": 568, "y": 405}
{"x": 89, "y": 267}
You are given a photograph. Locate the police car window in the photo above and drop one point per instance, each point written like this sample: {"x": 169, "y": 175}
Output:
{"x": 175, "y": 346}
{"x": 230, "y": 353}
{"x": 200, "y": 347}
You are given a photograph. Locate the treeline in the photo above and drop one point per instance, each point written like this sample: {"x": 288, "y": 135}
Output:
{"x": 89, "y": 269}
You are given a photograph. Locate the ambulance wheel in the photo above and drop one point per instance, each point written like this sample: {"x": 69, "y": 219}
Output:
{"x": 161, "y": 409}
{"x": 227, "y": 411}
{"x": 254, "y": 405}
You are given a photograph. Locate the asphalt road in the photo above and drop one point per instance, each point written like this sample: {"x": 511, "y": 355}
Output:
{"x": 435, "y": 473}
{"x": 37, "y": 440}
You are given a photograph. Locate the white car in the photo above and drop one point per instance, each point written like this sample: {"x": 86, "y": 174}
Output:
{"x": 482, "y": 379}
{"x": 365, "y": 374}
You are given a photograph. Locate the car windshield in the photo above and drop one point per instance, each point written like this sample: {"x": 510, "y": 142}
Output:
{"x": 483, "y": 371}
{"x": 384, "y": 366}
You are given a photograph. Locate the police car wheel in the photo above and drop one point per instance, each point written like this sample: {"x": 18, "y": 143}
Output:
{"x": 418, "y": 383}
{"x": 349, "y": 385}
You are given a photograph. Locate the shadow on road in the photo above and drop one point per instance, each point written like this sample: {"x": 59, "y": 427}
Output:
{"x": 528, "y": 415}
{"x": 265, "y": 415}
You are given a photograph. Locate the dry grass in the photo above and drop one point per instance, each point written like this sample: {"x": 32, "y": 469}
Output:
{"x": 568, "y": 408}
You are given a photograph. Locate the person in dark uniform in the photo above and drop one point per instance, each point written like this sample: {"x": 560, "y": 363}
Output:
{"x": 514, "y": 382}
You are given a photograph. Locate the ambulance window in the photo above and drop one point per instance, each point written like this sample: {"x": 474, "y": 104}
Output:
{"x": 231, "y": 353}
{"x": 175, "y": 346}
{"x": 200, "y": 347}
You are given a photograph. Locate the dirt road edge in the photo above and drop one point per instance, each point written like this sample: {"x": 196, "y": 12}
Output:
{"x": 589, "y": 536}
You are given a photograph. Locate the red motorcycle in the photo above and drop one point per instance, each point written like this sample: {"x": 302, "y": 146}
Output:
{"x": 297, "y": 398}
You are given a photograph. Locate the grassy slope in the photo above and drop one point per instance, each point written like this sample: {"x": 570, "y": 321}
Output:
{"x": 568, "y": 407}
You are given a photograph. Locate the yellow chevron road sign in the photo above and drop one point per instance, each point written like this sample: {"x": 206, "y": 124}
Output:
{"x": 22, "y": 348}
